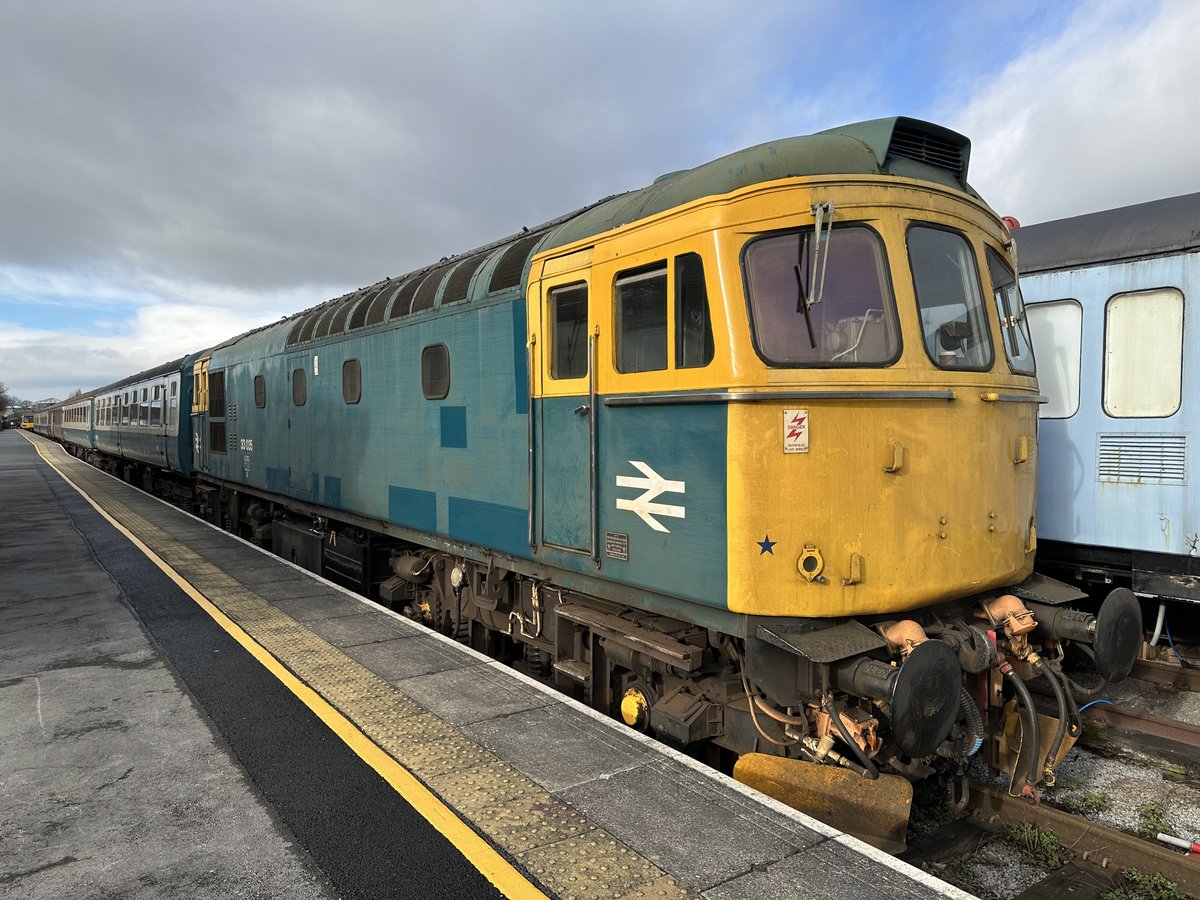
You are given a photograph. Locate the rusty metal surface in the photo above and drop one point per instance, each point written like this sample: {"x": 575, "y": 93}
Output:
{"x": 875, "y": 811}
{"x": 1130, "y": 719}
{"x": 1166, "y": 673}
{"x": 1092, "y": 843}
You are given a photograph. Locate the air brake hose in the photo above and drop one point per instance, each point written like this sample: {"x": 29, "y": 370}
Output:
{"x": 1042, "y": 668}
{"x": 1025, "y": 701}
{"x": 972, "y": 740}
{"x": 835, "y": 712}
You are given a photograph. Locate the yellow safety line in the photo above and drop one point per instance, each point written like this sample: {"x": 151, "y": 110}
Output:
{"x": 479, "y": 852}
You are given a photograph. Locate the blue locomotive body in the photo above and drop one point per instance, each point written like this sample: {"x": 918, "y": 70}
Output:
{"x": 1106, "y": 297}
{"x": 419, "y": 428}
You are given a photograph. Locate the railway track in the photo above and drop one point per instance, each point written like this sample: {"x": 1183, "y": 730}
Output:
{"x": 1127, "y": 718}
{"x": 1093, "y": 856}
{"x": 1155, "y": 672}
{"x": 1091, "y": 843}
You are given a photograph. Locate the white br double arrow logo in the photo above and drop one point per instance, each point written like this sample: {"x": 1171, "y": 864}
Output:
{"x": 654, "y": 484}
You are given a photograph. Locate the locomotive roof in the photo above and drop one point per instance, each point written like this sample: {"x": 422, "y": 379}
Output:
{"x": 1114, "y": 235}
{"x": 895, "y": 146}
{"x": 156, "y": 371}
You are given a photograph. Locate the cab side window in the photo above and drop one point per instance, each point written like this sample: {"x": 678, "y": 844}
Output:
{"x": 693, "y": 324}
{"x": 642, "y": 300}
{"x": 641, "y": 311}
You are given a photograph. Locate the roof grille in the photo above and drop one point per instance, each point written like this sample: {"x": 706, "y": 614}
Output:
{"x": 1142, "y": 458}
{"x": 927, "y": 148}
{"x": 512, "y": 262}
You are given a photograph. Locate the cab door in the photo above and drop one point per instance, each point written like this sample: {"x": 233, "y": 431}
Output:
{"x": 300, "y": 478}
{"x": 564, "y": 396}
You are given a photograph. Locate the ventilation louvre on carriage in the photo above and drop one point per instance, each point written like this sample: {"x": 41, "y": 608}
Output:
{"x": 508, "y": 270}
{"x": 1142, "y": 458}
{"x": 460, "y": 280}
{"x": 928, "y": 148}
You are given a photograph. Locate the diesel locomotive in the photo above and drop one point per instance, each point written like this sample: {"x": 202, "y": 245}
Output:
{"x": 747, "y": 457}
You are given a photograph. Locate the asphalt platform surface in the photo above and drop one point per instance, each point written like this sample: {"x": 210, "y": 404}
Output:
{"x": 145, "y": 753}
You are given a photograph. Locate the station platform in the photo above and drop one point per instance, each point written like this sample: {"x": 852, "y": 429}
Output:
{"x": 183, "y": 714}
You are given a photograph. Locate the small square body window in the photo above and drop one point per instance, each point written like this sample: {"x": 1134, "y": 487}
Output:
{"x": 569, "y": 331}
{"x": 260, "y": 391}
{"x": 435, "y": 372}
{"x": 351, "y": 381}
{"x": 299, "y": 387}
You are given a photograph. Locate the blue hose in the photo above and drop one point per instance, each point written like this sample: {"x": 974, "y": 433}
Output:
{"x": 1094, "y": 702}
{"x": 1170, "y": 640}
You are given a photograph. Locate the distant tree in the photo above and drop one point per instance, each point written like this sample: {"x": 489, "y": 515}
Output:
{"x": 6, "y": 399}
{"x": 75, "y": 393}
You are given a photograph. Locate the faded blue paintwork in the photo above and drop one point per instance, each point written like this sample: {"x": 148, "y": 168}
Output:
{"x": 394, "y": 455}
{"x": 680, "y": 443}
{"x": 1074, "y": 504}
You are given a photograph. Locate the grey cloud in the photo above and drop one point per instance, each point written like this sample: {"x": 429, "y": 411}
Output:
{"x": 268, "y": 145}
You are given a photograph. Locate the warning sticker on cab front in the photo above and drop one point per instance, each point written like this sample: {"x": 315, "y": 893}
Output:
{"x": 795, "y": 431}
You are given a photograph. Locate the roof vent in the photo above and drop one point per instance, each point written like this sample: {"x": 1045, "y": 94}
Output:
{"x": 926, "y": 147}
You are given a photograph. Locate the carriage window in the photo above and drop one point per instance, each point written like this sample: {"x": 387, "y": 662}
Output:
{"x": 1143, "y": 354}
{"x": 351, "y": 381}
{"x": 1057, "y": 331}
{"x": 435, "y": 372}
{"x": 946, "y": 280}
{"x": 299, "y": 387}
{"x": 693, "y": 325}
{"x": 641, "y": 309}
{"x": 144, "y": 410}
{"x": 568, "y": 330}
{"x": 156, "y": 407}
{"x": 260, "y": 391}
{"x": 828, "y": 308}
{"x": 1011, "y": 311}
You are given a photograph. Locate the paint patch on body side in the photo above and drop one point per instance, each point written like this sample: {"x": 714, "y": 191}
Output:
{"x": 454, "y": 426}
{"x": 490, "y": 525}
{"x": 416, "y": 509}
{"x": 333, "y": 491}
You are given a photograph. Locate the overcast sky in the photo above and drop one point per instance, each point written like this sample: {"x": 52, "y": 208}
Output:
{"x": 175, "y": 173}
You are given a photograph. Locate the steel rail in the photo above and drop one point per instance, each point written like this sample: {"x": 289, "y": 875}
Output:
{"x": 1092, "y": 843}
{"x": 1166, "y": 673}
{"x": 1129, "y": 719}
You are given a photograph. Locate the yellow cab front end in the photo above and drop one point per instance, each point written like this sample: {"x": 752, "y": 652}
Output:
{"x": 882, "y": 427}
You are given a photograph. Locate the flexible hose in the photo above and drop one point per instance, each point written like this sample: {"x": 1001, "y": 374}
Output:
{"x": 768, "y": 709}
{"x": 835, "y": 712}
{"x": 973, "y": 737}
{"x": 1034, "y": 735}
{"x": 1073, "y": 707}
{"x": 752, "y": 698}
{"x": 1042, "y": 668}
